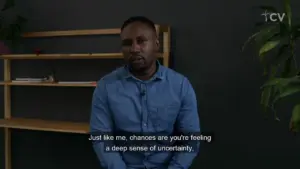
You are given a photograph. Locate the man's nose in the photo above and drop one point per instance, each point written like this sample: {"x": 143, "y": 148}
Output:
{"x": 135, "y": 47}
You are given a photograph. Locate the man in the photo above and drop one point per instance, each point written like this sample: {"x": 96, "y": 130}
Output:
{"x": 143, "y": 97}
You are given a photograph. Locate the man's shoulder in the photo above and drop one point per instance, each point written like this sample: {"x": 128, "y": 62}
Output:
{"x": 168, "y": 73}
{"x": 176, "y": 80}
{"x": 173, "y": 75}
{"x": 112, "y": 76}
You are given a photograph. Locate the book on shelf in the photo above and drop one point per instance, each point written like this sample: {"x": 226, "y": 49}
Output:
{"x": 29, "y": 80}
{"x": 44, "y": 80}
{"x": 76, "y": 82}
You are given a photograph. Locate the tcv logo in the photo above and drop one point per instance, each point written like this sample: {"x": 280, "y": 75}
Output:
{"x": 273, "y": 17}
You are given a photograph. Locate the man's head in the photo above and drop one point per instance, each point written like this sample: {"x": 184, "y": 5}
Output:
{"x": 139, "y": 43}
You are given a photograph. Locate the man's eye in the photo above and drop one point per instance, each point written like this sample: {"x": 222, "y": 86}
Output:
{"x": 140, "y": 41}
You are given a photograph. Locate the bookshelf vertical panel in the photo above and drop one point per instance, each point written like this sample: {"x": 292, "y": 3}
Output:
{"x": 166, "y": 46}
{"x": 7, "y": 113}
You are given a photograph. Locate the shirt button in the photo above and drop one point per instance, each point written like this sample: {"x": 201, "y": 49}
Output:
{"x": 145, "y": 124}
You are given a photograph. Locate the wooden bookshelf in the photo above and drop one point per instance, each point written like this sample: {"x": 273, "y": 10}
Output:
{"x": 63, "y": 56}
{"x": 9, "y": 122}
{"x": 110, "y": 31}
{"x": 66, "y": 56}
{"x": 45, "y": 125}
{"x": 66, "y": 84}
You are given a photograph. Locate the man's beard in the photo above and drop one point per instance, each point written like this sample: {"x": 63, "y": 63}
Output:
{"x": 137, "y": 64}
{"x": 140, "y": 70}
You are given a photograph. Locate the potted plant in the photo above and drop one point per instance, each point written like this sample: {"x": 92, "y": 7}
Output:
{"x": 10, "y": 27}
{"x": 276, "y": 42}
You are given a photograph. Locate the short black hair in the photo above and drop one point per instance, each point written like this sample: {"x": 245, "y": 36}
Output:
{"x": 141, "y": 19}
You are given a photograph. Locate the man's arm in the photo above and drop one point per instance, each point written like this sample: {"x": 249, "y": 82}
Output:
{"x": 101, "y": 122}
{"x": 187, "y": 123}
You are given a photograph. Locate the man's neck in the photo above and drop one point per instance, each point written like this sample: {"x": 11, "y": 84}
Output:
{"x": 147, "y": 74}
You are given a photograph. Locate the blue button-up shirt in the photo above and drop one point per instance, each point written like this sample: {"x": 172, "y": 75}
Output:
{"x": 165, "y": 103}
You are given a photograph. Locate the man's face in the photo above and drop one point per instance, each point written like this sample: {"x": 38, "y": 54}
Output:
{"x": 139, "y": 46}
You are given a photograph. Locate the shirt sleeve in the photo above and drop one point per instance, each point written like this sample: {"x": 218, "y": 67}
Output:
{"x": 101, "y": 122}
{"x": 187, "y": 123}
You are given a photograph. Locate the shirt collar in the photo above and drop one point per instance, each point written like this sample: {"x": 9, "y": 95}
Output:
{"x": 158, "y": 75}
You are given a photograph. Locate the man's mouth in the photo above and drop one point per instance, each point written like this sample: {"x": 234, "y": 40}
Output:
{"x": 135, "y": 59}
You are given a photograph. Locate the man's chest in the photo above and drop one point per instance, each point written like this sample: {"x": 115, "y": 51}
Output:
{"x": 150, "y": 103}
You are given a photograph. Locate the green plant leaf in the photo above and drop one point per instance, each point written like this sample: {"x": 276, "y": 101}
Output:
{"x": 265, "y": 98}
{"x": 282, "y": 55}
{"x": 287, "y": 67}
{"x": 296, "y": 31}
{"x": 268, "y": 91}
{"x": 262, "y": 35}
{"x": 268, "y": 46}
{"x": 249, "y": 39}
{"x": 281, "y": 81}
{"x": 288, "y": 10}
{"x": 284, "y": 31}
{"x": 287, "y": 91}
{"x": 267, "y": 32}
{"x": 8, "y": 4}
{"x": 273, "y": 71}
{"x": 283, "y": 49}
{"x": 295, "y": 119}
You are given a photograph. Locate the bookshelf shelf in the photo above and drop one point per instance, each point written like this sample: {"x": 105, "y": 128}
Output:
{"x": 110, "y": 31}
{"x": 65, "y": 84}
{"x": 9, "y": 122}
{"x": 64, "y": 56}
{"x": 45, "y": 125}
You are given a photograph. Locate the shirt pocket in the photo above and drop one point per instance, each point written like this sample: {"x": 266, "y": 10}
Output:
{"x": 163, "y": 117}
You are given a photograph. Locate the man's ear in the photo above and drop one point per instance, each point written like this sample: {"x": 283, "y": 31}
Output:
{"x": 157, "y": 44}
